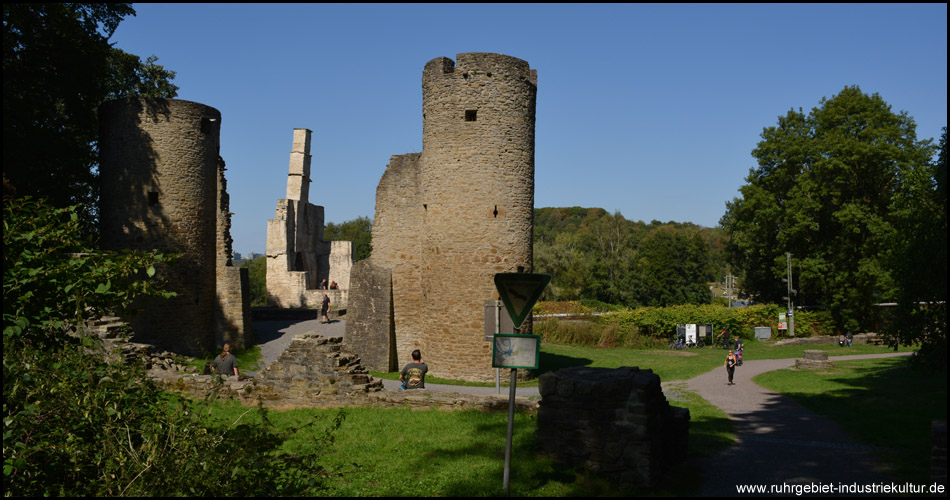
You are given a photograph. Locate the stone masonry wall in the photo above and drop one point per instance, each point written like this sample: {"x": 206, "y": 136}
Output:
{"x": 159, "y": 176}
{"x": 232, "y": 284}
{"x": 370, "y": 330}
{"x": 397, "y": 245}
{"x": 450, "y": 218}
{"x": 613, "y": 421}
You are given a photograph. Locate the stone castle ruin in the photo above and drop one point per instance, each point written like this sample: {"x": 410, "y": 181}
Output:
{"x": 298, "y": 260}
{"x": 448, "y": 219}
{"x": 163, "y": 187}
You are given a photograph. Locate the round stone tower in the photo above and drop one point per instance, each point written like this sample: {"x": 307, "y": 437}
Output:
{"x": 158, "y": 174}
{"x": 477, "y": 184}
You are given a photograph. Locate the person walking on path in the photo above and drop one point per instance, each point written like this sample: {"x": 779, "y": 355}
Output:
{"x": 730, "y": 365}
{"x": 325, "y": 309}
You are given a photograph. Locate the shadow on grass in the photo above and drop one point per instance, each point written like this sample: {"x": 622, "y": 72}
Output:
{"x": 550, "y": 362}
{"x": 885, "y": 405}
{"x": 531, "y": 473}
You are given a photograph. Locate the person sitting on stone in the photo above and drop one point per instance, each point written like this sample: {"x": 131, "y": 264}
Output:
{"x": 323, "y": 285}
{"x": 333, "y": 285}
{"x": 226, "y": 364}
{"x": 413, "y": 375}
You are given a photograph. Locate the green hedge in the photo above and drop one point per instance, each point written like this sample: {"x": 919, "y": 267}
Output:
{"x": 651, "y": 326}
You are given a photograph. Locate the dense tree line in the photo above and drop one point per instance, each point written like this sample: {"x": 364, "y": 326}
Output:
{"x": 856, "y": 198}
{"x": 595, "y": 255}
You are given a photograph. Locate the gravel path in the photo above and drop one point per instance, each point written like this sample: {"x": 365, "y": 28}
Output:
{"x": 779, "y": 440}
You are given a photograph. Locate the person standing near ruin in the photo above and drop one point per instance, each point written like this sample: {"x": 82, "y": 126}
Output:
{"x": 226, "y": 364}
{"x": 413, "y": 375}
{"x": 325, "y": 309}
{"x": 730, "y": 365}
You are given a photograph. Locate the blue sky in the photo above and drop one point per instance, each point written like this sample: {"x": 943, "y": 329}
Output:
{"x": 652, "y": 110}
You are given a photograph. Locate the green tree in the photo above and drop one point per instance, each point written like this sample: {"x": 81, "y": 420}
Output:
{"x": 358, "y": 230}
{"x": 58, "y": 66}
{"x": 673, "y": 268}
{"x": 823, "y": 191}
{"x": 920, "y": 263}
{"x": 257, "y": 276}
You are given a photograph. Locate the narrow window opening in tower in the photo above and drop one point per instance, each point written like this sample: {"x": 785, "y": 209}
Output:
{"x": 152, "y": 199}
{"x": 425, "y": 206}
{"x": 470, "y": 114}
{"x": 206, "y": 127}
{"x": 489, "y": 74}
{"x": 495, "y": 213}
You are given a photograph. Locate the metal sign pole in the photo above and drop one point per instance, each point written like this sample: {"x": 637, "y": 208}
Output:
{"x": 511, "y": 422}
{"x": 498, "y": 330}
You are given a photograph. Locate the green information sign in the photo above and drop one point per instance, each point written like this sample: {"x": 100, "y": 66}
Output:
{"x": 516, "y": 351}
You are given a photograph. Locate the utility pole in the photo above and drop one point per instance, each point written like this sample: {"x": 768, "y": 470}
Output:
{"x": 791, "y": 291}
{"x": 730, "y": 280}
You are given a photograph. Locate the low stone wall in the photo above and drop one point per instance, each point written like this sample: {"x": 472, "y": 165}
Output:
{"x": 861, "y": 338}
{"x": 814, "y": 360}
{"x": 613, "y": 421}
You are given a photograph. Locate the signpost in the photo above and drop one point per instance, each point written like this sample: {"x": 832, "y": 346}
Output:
{"x": 519, "y": 292}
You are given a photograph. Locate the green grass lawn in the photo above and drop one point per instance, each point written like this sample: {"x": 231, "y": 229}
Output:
{"x": 668, "y": 364}
{"x": 403, "y": 452}
{"x": 880, "y": 402}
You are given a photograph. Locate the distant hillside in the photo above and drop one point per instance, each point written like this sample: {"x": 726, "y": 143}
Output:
{"x": 593, "y": 254}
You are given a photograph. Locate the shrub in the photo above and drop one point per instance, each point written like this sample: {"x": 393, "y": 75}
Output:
{"x": 76, "y": 423}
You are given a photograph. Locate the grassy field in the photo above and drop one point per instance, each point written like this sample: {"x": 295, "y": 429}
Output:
{"x": 668, "y": 364}
{"x": 403, "y": 452}
{"x": 406, "y": 452}
{"x": 880, "y": 402}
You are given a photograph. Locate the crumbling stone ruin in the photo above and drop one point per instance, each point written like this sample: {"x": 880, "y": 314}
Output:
{"x": 163, "y": 187}
{"x": 317, "y": 371}
{"x": 613, "y": 421}
{"x": 814, "y": 359}
{"x": 451, "y": 217}
{"x": 298, "y": 260}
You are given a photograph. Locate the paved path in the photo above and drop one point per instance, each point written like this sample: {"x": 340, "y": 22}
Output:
{"x": 779, "y": 440}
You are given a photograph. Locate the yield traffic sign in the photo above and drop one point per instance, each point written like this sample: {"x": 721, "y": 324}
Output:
{"x": 519, "y": 292}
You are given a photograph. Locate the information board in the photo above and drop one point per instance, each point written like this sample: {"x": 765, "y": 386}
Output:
{"x": 516, "y": 351}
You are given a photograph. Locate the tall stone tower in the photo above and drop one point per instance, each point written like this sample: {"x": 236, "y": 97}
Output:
{"x": 298, "y": 259}
{"x": 159, "y": 177}
{"x": 450, "y": 218}
{"x": 478, "y": 196}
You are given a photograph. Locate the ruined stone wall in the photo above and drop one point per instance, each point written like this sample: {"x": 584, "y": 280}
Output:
{"x": 397, "y": 245}
{"x": 159, "y": 177}
{"x": 450, "y": 218}
{"x": 298, "y": 259}
{"x": 232, "y": 320}
{"x": 613, "y": 421}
